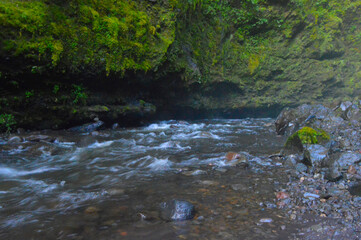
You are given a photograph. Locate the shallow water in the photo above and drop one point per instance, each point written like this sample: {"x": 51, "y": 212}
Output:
{"x": 109, "y": 184}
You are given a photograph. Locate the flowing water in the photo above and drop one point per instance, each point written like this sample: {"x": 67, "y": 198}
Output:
{"x": 109, "y": 184}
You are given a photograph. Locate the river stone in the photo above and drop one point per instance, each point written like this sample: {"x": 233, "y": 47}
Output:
{"x": 293, "y": 145}
{"x": 352, "y": 113}
{"x": 240, "y": 187}
{"x": 315, "y": 155}
{"x": 14, "y": 139}
{"x": 90, "y": 127}
{"x": 292, "y": 160}
{"x": 232, "y": 156}
{"x": 348, "y": 158}
{"x": 176, "y": 210}
{"x": 283, "y": 121}
{"x": 344, "y": 105}
{"x": 291, "y": 120}
{"x": 300, "y": 167}
{"x": 40, "y": 138}
{"x": 332, "y": 171}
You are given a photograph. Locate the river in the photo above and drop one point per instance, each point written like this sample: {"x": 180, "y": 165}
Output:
{"x": 109, "y": 184}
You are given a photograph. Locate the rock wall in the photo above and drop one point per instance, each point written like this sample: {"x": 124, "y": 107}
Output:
{"x": 189, "y": 59}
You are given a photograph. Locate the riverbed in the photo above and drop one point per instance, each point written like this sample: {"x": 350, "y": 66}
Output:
{"x": 109, "y": 184}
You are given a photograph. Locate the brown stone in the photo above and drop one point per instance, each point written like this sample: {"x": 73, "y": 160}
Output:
{"x": 351, "y": 170}
{"x": 91, "y": 210}
{"x": 282, "y": 195}
{"x": 232, "y": 155}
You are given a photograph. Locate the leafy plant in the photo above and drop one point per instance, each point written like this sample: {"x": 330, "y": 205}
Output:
{"x": 7, "y": 122}
{"x": 56, "y": 89}
{"x": 29, "y": 94}
{"x": 79, "y": 94}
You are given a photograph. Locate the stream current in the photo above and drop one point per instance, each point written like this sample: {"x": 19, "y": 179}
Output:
{"x": 109, "y": 184}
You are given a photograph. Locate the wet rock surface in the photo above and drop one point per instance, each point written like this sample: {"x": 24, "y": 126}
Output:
{"x": 176, "y": 210}
{"x": 90, "y": 127}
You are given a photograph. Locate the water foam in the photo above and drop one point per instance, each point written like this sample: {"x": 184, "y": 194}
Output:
{"x": 12, "y": 172}
{"x": 160, "y": 164}
{"x": 156, "y": 126}
{"x": 100, "y": 145}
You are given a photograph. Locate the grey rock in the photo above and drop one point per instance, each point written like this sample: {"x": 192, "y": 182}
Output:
{"x": 311, "y": 196}
{"x": 332, "y": 173}
{"x": 352, "y": 113}
{"x": 344, "y": 105}
{"x": 176, "y": 210}
{"x": 293, "y": 145}
{"x": 15, "y": 139}
{"x": 300, "y": 167}
{"x": 40, "y": 138}
{"x": 348, "y": 158}
{"x": 239, "y": 187}
{"x": 292, "y": 160}
{"x": 90, "y": 127}
{"x": 315, "y": 155}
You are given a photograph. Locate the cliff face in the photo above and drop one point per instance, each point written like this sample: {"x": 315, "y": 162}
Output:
{"x": 204, "y": 57}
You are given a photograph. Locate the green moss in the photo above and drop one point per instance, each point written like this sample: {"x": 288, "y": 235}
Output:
{"x": 113, "y": 35}
{"x": 98, "y": 108}
{"x": 309, "y": 135}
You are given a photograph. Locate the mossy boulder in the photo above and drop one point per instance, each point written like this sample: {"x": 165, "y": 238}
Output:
{"x": 305, "y": 136}
{"x": 308, "y": 135}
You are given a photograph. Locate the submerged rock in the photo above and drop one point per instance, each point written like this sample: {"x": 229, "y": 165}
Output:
{"x": 176, "y": 210}
{"x": 91, "y": 210}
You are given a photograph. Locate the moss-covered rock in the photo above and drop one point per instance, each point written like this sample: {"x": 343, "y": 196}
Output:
{"x": 309, "y": 135}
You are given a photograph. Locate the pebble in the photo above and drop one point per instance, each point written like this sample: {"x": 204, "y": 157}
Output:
{"x": 91, "y": 210}
{"x": 282, "y": 195}
{"x": 311, "y": 196}
{"x": 265, "y": 220}
{"x": 232, "y": 155}
{"x": 209, "y": 183}
{"x": 115, "y": 191}
{"x": 351, "y": 170}
{"x": 239, "y": 187}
